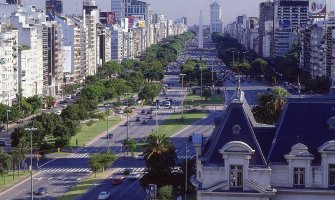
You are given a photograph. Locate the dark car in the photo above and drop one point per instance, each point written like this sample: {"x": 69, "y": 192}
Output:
{"x": 149, "y": 112}
{"x": 127, "y": 171}
{"x": 41, "y": 191}
{"x": 143, "y": 112}
{"x": 145, "y": 121}
{"x": 138, "y": 119}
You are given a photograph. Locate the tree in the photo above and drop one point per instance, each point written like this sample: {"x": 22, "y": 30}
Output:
{"x": 149, "y": 92}
{"x": 94, "y": 164}
{"x": 92, "y": 92}
{"x": 130, "y": 145}
{"x": 165, "y": 192}
{"x": 5, "y": 164}
{"x": 35, "y": 102}
{"x": 18, "y": 156}
{"x": 280, "y": 94}
{"x": 258, "y": 67}
{"x": 110, "y": 68}
{"x": 206, "y": 92}
{"x": 160, "y": 156}
{"x": 69, "y": 88}
{"x": 264, "y": 112}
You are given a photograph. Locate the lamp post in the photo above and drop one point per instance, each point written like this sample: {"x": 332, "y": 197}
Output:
{"x": 156, "y": 116}
{"x": 127, "y": 126}
{"x": 7, "y": 111}
{"x": 186, "y": 171}
{"x": 233, "y": 56}
{"x": 182, "y": 81}
{"x": 31, "y": 159}
{"x": 201, "y": 83}
{"x": 182, "y": 100}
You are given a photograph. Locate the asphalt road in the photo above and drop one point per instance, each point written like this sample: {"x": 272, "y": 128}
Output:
{"x": 62, "y": 173}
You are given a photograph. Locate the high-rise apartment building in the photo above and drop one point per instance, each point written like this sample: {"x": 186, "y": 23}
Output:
{"x": 117, "y": 6}
{"x": 91, "y": 20}
{"x": 215, "y": 18}
{"x": 266, "y": 14}
{"x": 289, "y": 16}
{"x": 8, "y": 63}
{"x": 54, "y": 6}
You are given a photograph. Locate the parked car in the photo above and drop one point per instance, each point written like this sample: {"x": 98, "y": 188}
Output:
{"x": 149, "y": 112}
{"x": 143, "y": 112}
{"x": 42, "y": 191}
{"x": 117, "y": 180}
{"x": 138, "y": 119}
{"x": 145, "y": 121}
{"x": 103, "y": 195}
{"x": 68, "y": 96}
{"x": 58, "y": 112}
{"x": 134, "y": 176}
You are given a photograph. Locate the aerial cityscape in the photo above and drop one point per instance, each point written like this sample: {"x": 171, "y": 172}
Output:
{"x": 117, "y": 100}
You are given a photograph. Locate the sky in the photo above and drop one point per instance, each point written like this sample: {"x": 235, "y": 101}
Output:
{"x": 175, "y": 9}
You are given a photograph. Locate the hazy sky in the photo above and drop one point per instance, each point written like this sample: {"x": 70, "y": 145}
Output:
{"x": 177, "y": 8}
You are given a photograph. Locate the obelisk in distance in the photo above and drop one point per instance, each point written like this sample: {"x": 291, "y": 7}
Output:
{"x": 200, "y": 35}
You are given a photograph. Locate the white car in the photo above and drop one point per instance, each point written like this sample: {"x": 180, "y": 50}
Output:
{"x": 68, "y": 96}
{"x": 58, "y": 112}
{"x": 103, "y": 195}
{"x": 133, "y": 176}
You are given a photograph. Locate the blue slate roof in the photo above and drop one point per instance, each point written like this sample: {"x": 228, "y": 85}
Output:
{"x": 238, "y": 112}
{"x": 303, "y": 120}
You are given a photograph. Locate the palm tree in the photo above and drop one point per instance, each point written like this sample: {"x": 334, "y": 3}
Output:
{"x": 160, "y": 155}
{"x": 280, "y": 94}
{"x": 264, "y": 112}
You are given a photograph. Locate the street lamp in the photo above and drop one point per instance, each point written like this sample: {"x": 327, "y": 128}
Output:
{"x": 31, "y": 159}
{"x": 186, "y": 171}
{"x": 7, "y": 111}
{"x": 182, "y": 81}
{"x": 156, "y": 116}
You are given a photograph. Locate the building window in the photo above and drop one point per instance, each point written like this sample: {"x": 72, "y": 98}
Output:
{"x": 236, "y": 176}
{"x": 299, "y": 177}
{"x": 331, "y": 175}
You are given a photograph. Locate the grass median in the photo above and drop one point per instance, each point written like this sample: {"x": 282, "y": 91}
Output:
{"x": 84, "y": 186}
{"x": 173, "y": 123}
{"x": 195, "y": 100}
{"x": 89, "y": 131}
{"x": 9, "y": 178}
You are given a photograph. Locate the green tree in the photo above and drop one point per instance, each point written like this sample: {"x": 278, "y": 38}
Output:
{"x": 5, "y": 164}
{"x": 264, "y": 112}
{"x": 280, "y": 94}
{"x": 258, "y": 67}
{"x": 160, "y": 156}
{"x": 69, "y": 88}
{"x": 149, "y": 92}
{"x": 165, "y": 192}
{"x": 95, "y": 164}
{"x": 35, "y": 102}
{"x": 110, "y": 68}
{"x": 206, "y": 92}
{"x": 130, "y": 145}
{"x": 92, "y": 92}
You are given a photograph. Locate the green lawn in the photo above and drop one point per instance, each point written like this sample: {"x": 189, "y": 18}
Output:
{"x": 87, "y": 133}
{"x": 173, "y": 124}
{"x": 195, "y": 99}
{"x": 83, "y": 186}
{"x": 9, "y": 178}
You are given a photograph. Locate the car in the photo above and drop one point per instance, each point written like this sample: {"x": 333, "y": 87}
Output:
{"x": 2, "y": 143}
{"x": 110, "y": 136}
{"x": 41, "y": 191}
{"x": 127, "y": 171}
{"x": 117, "y": 180}
{"x": 143, "y": 112}
{"x": 103, "y": 195}
{"x": 68, "y": 96}
{"x": 134, "y": 176}
{"x": 140, "y": 156}
{"x": 149, "y": 112}
{"x": 145, "y": 121}
{"x": 18, "y": 121}
{"x": 190, "y": 138}
{"x": 138, "y": 119}
{"x": 151, "y": 117}
{"x": 58, "y": 112}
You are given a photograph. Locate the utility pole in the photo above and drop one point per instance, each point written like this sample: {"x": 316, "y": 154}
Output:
{"x": 233, "y": 56}
{"x": 31, "y": 160}
{"x": 182, "y": 88}
{"x": 156, "y": 116}
{"x": 127, "y": 126}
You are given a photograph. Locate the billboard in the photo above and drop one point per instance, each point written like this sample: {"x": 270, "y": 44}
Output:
{"x": 107, "y": 18}
{"x": 136, "y": 21}
{"x": 317, "y": 8}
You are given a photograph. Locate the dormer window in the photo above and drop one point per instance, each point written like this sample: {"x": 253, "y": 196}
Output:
{"x": 299, "y": 176}
{"x": 236, "y": 176}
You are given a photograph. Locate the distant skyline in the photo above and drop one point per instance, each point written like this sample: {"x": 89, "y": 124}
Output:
{"x": 175, "y": 9}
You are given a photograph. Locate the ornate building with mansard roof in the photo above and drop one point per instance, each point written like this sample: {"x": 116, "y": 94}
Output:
{"x": 294, "y": 160}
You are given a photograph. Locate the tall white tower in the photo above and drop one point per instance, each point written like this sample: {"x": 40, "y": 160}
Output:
{"x": 215, "y": 18}
{"x": 201, "y": 34}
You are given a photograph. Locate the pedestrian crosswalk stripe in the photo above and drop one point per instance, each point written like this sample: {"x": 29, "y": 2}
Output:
{"x": 120, "y": 170}
{"x": 77, "y": 155}
{"x": 65, "y": 170}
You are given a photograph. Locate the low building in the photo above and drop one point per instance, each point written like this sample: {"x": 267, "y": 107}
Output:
{"x": 246, "y": 160}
